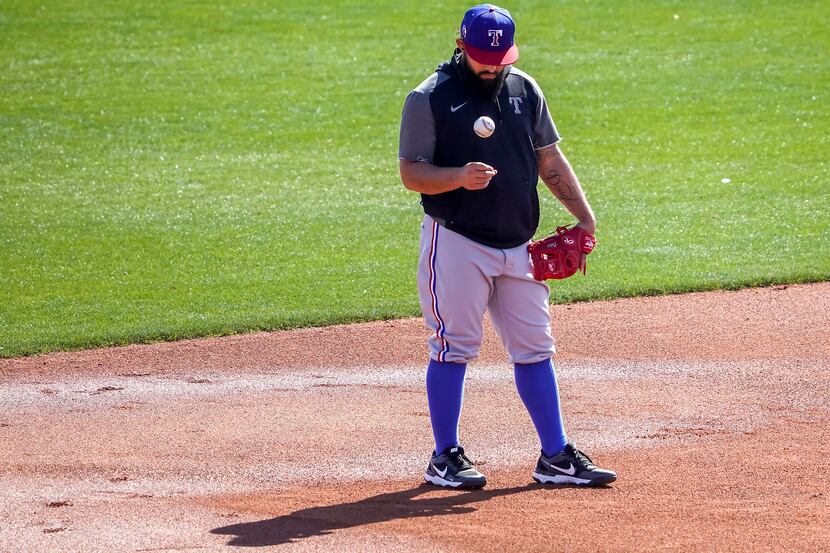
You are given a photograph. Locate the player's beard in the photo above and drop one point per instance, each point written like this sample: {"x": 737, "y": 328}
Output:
{"x": 487, "y": 88}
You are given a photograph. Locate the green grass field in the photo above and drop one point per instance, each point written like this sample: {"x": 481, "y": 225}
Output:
{"x": 178, "y": 169}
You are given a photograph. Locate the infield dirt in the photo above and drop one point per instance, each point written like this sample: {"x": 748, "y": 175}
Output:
{"x": 713, "y": 408}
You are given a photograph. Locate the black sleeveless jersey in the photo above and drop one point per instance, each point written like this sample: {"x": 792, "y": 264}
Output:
{"x": 506, "y": 213}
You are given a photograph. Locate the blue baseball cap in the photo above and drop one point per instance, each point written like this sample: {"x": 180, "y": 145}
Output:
{"x": 487, "y": 32}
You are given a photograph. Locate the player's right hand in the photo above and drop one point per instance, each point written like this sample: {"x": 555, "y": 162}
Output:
{"x": 476, "y": 175}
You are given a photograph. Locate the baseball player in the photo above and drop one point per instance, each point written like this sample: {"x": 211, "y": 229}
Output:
{"x": 481, "y": 210}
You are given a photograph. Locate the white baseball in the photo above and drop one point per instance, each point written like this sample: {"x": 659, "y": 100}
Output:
{"x": 484, "y": 126}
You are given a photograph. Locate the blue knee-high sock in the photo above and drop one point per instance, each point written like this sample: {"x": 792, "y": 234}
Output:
{"x": 445, "y": 393}
{"x": 536, "y": 383}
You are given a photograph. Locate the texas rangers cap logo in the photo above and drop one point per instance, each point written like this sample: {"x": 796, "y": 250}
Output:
{"x": 494, "y": 34}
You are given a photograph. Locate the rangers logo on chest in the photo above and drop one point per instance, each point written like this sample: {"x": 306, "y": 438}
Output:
{"x": 516, "y": 101}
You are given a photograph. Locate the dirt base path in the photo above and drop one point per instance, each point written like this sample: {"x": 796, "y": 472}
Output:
{"x": 713, "y": 408}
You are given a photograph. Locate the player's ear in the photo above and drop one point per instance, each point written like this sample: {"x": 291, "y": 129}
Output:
{"x": 459, "y": 43}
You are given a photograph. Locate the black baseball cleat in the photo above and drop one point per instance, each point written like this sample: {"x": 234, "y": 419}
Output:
{"x": 571, "y": 466}
{"x": 453, "y": 469}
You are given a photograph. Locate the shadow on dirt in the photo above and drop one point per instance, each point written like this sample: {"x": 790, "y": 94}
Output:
{"x": 318, "y": 521}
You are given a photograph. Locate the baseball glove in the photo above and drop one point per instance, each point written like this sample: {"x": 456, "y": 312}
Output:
{"x": 560, "y": 255}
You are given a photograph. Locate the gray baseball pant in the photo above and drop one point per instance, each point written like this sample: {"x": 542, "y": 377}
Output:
{"x": 458, "y": 279}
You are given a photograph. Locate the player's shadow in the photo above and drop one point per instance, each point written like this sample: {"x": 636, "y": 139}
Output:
{"x": 318, "y": 521}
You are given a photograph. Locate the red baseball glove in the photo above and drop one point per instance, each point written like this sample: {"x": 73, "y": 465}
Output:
{"x": 559, "y": 256}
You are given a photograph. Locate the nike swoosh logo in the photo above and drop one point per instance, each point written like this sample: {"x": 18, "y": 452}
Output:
{"x": 569, "y": 471}
{"x": 441, "y": 473}
{"x": 456, "y": 108}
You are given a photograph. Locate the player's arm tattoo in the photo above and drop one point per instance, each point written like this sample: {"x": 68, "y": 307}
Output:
{"x": 550, "y": 174}
{"x": 561, "y": 180}
{"x": 560, "y": 187}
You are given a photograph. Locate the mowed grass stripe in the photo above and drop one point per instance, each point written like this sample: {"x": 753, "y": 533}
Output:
{"x": 175, "y": 170}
